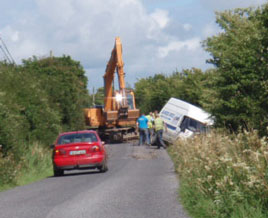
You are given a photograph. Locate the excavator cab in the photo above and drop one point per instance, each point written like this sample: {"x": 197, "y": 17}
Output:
{"x": 131, "y": 100}
{"x": 123, "y": 109}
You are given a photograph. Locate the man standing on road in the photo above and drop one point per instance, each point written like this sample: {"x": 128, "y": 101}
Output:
{"x": 159, "y": 128}
{"x": 142, "y": 125}
{"x": 150, "y": 126}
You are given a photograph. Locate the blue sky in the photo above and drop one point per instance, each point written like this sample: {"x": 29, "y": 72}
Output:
{"x": 158, "y": 36}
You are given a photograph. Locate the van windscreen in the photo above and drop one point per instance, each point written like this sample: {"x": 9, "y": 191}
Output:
{"x": 192, "y": 125}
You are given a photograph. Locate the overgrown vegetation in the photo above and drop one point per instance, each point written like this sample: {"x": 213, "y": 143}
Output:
{"x": 38, "y": 99}
{"x": 223, "y": 175}
{"x": 34, "y": 163}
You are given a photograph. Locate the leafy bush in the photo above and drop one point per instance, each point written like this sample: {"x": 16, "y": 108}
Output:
{"x": 8, "y": 171}
{"x": 65, "y": 84}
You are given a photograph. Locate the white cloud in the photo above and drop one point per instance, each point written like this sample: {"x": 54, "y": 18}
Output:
{"x": 15, "y": 36}
{"x": 10, "y": 33}
{"x": 57, "y": 11}
{"x": 230, "y": 4}
{"x": 154, "y": 40}
{"x": 190, "y": 45}
{"x": 160, "y": 17}
{"x": 210, "y": 29}
{"x": 187, "y": 26}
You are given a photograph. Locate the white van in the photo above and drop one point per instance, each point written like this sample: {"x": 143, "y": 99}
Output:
{"x": 183, "y": 119}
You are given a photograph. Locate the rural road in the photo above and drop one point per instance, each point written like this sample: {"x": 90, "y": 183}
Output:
{"x": 140, "y": 183}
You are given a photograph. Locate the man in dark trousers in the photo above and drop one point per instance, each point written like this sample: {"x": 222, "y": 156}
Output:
{"x": 142, "y": 125}
{"x": 159, "y": 128}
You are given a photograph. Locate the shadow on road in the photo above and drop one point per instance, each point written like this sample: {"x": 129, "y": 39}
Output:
{"x": 77, "y": 173}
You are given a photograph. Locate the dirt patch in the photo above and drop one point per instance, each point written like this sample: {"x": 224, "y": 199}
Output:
{"x": 144, "y": 153}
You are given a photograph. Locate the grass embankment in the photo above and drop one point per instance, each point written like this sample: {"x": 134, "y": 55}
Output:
{"x": 223, "y": 175}
{"x": 24, "y": 166}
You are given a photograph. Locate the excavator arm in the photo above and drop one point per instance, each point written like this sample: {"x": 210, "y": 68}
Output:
{"x": 115, "y": 64}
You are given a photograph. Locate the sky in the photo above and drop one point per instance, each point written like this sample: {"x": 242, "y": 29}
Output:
{"x": 158, "y": 36}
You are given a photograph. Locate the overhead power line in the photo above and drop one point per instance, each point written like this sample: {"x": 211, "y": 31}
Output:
{"x": 6, "y": 52}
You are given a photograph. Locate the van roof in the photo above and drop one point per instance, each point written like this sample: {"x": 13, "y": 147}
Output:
{"x": 192, "y": 111}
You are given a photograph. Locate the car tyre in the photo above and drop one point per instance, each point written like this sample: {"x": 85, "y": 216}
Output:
{"x": 58, "y": 172}
{"x": 103, "y": 168}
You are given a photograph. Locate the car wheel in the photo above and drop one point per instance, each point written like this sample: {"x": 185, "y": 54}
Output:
{"x": 103, "y": 168}
{"x": 58, "y": 172}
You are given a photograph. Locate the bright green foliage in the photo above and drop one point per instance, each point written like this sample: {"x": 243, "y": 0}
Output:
{"x": 99, "y": 97}
{"x": 65, "y": 83}
{"x": 38, "y": 100}
{"x": 240, "y": 56}
{"x": 25, "y": 114}
{"x": 189, "y": 85}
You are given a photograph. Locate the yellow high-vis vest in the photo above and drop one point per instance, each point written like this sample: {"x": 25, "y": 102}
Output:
{"x": 150, "y": 123}
{"x": 159, "y": 124}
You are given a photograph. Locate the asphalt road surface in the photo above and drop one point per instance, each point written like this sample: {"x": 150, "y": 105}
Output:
{"x": 140, "y": 183}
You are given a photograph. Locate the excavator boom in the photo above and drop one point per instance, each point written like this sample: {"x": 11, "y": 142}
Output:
{"x": 115, "y": 64}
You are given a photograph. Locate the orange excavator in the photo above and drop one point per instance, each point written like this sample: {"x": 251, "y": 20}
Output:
{"x": 117, "y": 119}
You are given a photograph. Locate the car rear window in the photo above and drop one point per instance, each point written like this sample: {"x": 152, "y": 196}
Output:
{"x": 77, "y": 137}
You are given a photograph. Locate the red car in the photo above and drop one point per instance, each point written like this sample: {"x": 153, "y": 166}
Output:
{"x": 78, "y": 150}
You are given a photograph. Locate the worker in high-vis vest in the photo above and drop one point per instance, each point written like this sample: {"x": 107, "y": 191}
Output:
{"x": 159, "y": 126}
{"x": 150, "y": 126}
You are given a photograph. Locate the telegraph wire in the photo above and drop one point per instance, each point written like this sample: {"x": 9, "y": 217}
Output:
{"x": 6, "y": 52}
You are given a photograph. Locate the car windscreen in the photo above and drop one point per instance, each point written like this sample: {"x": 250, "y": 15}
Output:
{"x": 77, "y": 137}
{"x": 193, "y": 125}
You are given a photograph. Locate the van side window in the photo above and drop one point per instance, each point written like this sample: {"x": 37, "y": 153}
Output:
{"x": 193, "y": 125}
{"x": 184, "y": 123}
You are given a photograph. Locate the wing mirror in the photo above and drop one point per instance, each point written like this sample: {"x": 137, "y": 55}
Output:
{"x": 52, "y": 146}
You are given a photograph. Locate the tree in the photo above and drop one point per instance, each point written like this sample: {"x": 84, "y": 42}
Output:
{"x": 25, "y": 113}
{"x": 152, "y": 93}
{"x": 239, "y": 53}
{"x": 65, "y": 83}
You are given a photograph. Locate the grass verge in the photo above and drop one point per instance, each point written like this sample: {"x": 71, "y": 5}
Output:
{"x": 28, "y": 165}
{"x": 223, "y": 175}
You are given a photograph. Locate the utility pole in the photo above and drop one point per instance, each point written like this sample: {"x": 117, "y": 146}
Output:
{"x": 51, "y": 54}
{"x": 93, "y": 96}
